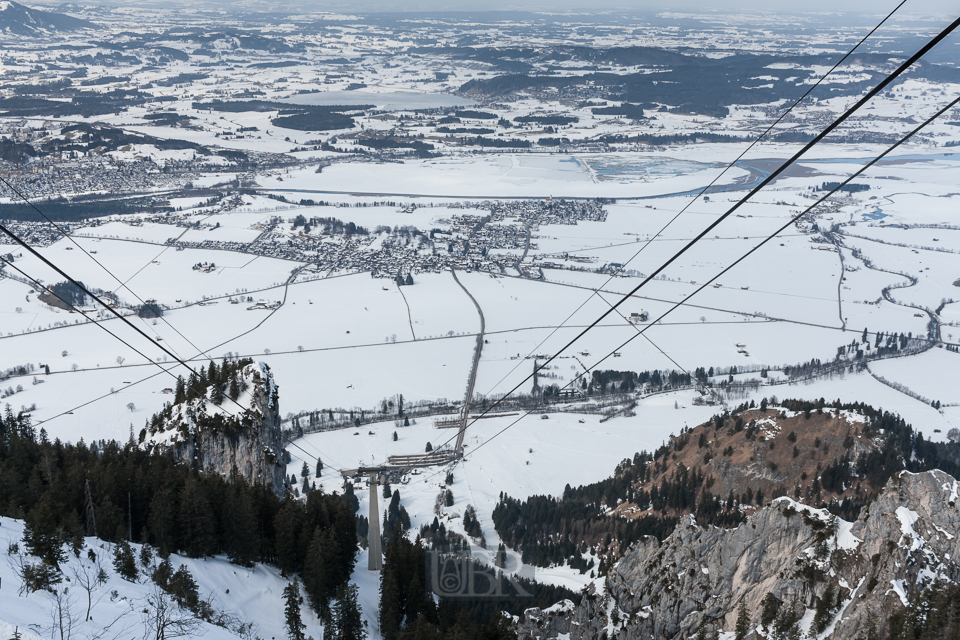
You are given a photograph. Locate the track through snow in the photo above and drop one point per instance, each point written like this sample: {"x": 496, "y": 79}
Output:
{"x": 472, "y": 381}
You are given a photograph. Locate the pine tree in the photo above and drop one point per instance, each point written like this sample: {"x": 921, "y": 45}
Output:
{"x": 391, "y": 611}
{"x": 193, "y": 387}
{"x": 288, "y": 525}
{"x": 198, "y": 528}
{"x": 824, "y": 610}
{"x": 124, "y": 561}
{"x": 234, "y": 386}
{"x": 241, "y": 537}
{"x": 43, "y": 535}
{"x": 162, "y": 521}
{"x": 181, "y": 392}
{"x": 346, "y": 614}
{"x": 743, "y": 622}
{"x": 320, "y": 575}
{"x": 702, "y": 630}
{"x": 293, "y": 600}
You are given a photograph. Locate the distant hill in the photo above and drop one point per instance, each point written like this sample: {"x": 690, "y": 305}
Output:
{"x": 828, "y": 455}
{"x": 18, "y": 19}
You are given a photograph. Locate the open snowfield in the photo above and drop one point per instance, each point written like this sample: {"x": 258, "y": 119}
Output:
{"x": 346, "y": 326}
{"x": 142, "y": 231}
{"x": 161, "y": 273}
{"x": 934, "y": 374}
{"x": 784, "y": 304}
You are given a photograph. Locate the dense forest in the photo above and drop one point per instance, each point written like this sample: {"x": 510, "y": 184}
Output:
{"x": 63, "y": 210}
{"x": 291, "y": 116}
{"x": 669, "y": 138}
{"x": 408, "y": 610}
{"x": 626, "y": 109}
{"x": 15, "y": 152}
{"x": 119, "y": 492}
{"x": 70, "y": 293}
{"x": 81, "y": 103}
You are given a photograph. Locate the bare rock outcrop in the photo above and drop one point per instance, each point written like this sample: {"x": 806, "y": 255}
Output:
{"x": 791, "y": 568}
{"x": 242, "y": 436}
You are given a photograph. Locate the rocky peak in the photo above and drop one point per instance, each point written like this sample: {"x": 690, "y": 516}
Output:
{"x": 240, "y": 432}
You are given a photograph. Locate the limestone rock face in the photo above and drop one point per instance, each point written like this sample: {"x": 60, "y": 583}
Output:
{"x": 244, "y": 436}
{"x": 698, "y": 577}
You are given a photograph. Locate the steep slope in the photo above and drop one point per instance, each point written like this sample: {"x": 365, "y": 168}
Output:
{"x": 230, "y": 425}
{"x": 793, "y": 569}
{"x": 244, "y": 599}
{"x": 20, "y": 20}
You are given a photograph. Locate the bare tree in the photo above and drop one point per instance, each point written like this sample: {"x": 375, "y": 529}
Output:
{"x": 62, "y": 616}
{"x": 163, "y": 618}
{"x": 88, "y": 577}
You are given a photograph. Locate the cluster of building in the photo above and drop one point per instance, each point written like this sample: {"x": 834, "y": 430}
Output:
{"x": 469, "y": 242}
{"x": 50, "y": 177}
{"x": 491, "y": 236}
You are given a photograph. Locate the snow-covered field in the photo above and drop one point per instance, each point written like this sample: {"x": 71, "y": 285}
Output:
{"x": 348, "y": 340}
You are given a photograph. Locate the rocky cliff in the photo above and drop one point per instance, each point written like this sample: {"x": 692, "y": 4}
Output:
{"x": 239, "y": 435}
{"x": 788, "y": 571}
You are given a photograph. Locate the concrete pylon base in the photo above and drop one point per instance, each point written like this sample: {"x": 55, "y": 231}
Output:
{"x": 374, "y": 551}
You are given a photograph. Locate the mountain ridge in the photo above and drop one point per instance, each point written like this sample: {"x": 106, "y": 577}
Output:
{"x": 792, "y": 569}
{"x": 18, "y": 19}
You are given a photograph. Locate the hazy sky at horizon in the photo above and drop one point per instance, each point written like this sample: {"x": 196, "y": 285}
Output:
{"x": 912, "y": 7}
{"x": 870, "y": 6}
